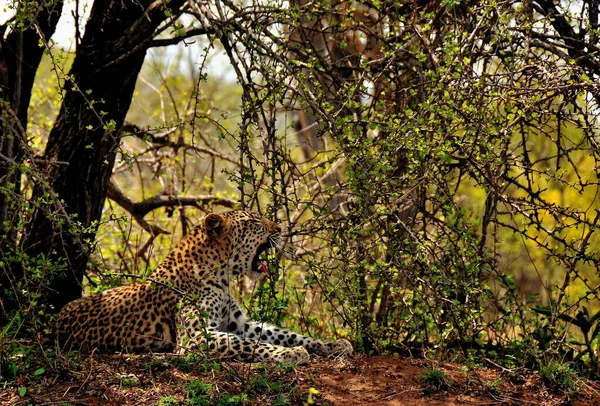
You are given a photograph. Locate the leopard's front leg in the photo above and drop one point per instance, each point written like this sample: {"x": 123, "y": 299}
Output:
{"x": 235, "y": 321}
{"x": 197, "y": 331}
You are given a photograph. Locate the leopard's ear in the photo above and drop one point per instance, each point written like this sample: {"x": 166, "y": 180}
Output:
{"x": 213, "y": 223}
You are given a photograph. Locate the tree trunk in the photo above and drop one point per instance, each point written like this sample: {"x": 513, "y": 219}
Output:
{"x": 20, "y": 56}
{"x": 83, "y": 143}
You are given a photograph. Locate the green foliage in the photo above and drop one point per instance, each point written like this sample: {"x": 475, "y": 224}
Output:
{"x": 198, "y": 393}
{"x": 267, "y": 305}
{"x": 168, "y": 401}
{"x": 17, "y": 358}
{"x": 560, "y": 377}
{"x": 187, "y": 363}
{"x": 229, "y": 399}
{"x": 436, "y": 379}
{"x": 281, "y": 400}
{"x": 589, "y": 327}
{"x": 268, "y": 381}
{"x": 286, "y": 366}
{"x": 262, "y": 384}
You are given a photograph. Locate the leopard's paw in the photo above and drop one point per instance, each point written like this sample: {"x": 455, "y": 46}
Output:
{"x": 297, "y": 355}
{"x": 330, "y": 348}
{"x": 341, "y": 347}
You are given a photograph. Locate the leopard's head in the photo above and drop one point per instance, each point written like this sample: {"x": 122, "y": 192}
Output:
{"x": 243, "y": 236}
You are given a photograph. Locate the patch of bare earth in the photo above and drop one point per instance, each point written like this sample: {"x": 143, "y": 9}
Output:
{"x": 361, "y": 380}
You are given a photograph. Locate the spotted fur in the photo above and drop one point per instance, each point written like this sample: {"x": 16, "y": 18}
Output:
{"x": 186, "y": 306}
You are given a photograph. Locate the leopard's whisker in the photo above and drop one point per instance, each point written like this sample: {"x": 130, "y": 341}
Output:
{"x": 274, "y": 242}
{"x": 283, "y": 247}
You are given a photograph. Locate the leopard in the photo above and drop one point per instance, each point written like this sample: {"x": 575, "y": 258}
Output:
{"x": 185, "y": 305}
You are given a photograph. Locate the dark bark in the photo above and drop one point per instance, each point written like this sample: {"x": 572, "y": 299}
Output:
{"x": 20, "y": 56}
{"x": 85, "y": 138}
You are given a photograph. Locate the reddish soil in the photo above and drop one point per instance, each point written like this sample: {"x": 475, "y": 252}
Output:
{"x": 362, "y": 380}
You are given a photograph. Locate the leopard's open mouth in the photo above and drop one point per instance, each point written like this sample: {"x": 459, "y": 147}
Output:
{"x": 257, "y": 265}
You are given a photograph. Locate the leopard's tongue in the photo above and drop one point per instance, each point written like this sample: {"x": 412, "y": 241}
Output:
{"x": 262, "y": 267}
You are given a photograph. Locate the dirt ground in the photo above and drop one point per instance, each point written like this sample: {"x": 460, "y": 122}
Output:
{"x": 361, "y": 380}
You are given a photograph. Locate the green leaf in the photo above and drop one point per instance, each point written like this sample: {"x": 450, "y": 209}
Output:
{"x": 39, "y": 371}
{"x": 22, "y": 391}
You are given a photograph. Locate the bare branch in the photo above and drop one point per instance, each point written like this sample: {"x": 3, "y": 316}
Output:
{"x": 147, "y": 135}
{"x": 139, "y": 210}
{"x": 116, "y": 195}
{"x": 153, "y": 203}
{"x": 194, "y": 32}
